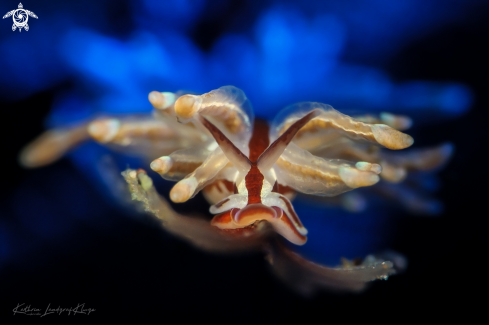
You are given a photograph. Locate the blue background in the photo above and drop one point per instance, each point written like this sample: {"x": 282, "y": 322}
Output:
{"x": 64, "y": 239}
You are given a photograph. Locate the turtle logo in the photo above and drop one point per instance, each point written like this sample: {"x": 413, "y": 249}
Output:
{"x": 20, "y": 17}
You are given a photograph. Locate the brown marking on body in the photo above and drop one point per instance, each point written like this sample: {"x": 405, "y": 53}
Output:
{"x": 258, "y": 144}
{"x": 221, "y": 139}
{"x": 254, "y": 182}
{"x": 244, "y": 231}
{"x": 317, "y": 125}
{"x": 259, "y": 141}
{"x": 222, "y": 218}
{"x": 254, "y": 212}
{"x": 220, "y": 204}
{"x": 153, "y": 131}
{"x": 182, "y": 168}
{"x": 287, "y": 220}
{"x": 282, "y": 189}
{"x": 292, "y": 215}
{"x": 227, "y": 184}
{"x": 295, "y": 169}
{"x": 227, "y": 218}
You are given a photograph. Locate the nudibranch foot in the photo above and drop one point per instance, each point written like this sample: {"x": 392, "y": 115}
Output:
{"x": 307, "y": 277}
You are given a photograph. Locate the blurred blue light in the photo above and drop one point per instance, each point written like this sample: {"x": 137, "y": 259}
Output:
{"x": 334, "y": 233}
{"x": 101, "y": 59}
{"x": 327, "y": 51}
{"x": 28, "y": 63}
{"x": 446, "y": 98}
{"x": 168, "y": 14}
{"x": 456, "y": 99}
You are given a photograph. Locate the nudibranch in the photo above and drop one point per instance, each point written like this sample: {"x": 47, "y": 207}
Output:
{"x": 249, "y": 171}
{"x": 257, "y": 166}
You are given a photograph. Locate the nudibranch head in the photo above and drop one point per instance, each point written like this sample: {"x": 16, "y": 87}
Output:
{"x": 256, "y": 212}
{"x": 261, "y": 203}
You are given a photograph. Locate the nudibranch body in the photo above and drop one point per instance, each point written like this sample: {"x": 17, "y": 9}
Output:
{"x": 250, "y": 171}
{"x": 258, "y": 173}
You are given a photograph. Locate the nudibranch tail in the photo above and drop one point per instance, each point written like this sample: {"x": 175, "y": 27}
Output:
{"x": 307, "y": 276}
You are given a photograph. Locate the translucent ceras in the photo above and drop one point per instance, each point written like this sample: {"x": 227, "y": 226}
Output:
{"x": 248, "y": 170}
